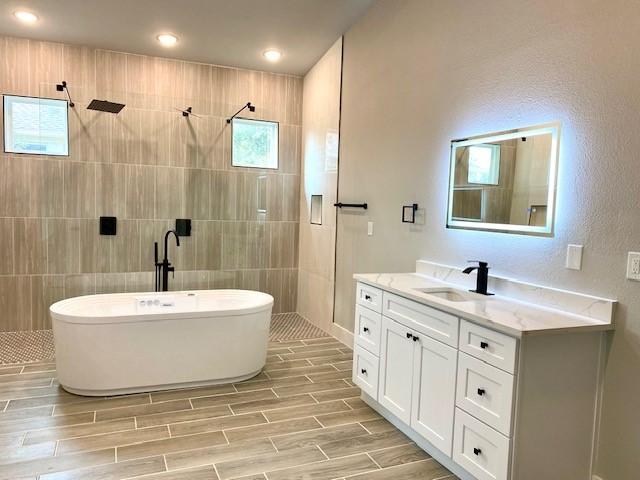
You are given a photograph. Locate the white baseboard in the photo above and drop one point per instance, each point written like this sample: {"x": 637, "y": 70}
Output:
{"x": 342, "y": 334}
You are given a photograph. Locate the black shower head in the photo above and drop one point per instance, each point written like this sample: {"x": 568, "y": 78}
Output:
{"x": 105, "y": 106}
{"x": 251, "y": 107}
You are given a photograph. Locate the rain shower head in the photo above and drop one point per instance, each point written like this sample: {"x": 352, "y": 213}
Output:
{"x": 105, "y": 106}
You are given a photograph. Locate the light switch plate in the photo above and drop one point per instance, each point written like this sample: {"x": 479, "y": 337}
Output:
{"x": 633, "y": 266}
{"x": 370, "y": 228}
{"x": 574, "y": 257}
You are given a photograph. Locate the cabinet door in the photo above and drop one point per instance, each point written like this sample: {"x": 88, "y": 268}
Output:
{"x": 396, "y": 369}
{"x": 434, "y": 392}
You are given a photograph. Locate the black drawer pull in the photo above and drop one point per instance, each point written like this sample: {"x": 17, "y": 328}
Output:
{"x": 409, "y": 335}
{"x": 415, "y": 339}
{"x": 365, "y": 329}
{"x": 481, "y": 391}
{"x": 484, "y": 345}
{"x": 477, "y": 451}
{"x": 363, "y": 371}
{"x": 367, "y": 297}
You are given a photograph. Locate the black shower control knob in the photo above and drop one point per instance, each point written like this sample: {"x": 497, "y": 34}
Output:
{"x": 477, "y": 451}
{"x": 409, "y": 335}
{"x": 364, "y": 371}
{"x": 367, "y": 297}
{"x": 484, "y": 345}
{"x": 415, "y": 339}
{"x": 365, "y": 329}
{"x": 481, "y": 391}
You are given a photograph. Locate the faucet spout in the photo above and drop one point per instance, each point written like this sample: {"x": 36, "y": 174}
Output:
{"x": 166, "y": 241}
{"x": 482, "y": 280}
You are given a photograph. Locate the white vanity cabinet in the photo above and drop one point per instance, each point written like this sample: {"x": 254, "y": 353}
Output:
{"x": 483, "y": 403}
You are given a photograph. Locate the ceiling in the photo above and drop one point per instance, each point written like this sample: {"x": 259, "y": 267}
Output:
{"x": 223, "y": 32}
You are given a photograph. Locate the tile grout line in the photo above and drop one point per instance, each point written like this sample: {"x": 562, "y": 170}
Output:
{"x": 371, "y": 458}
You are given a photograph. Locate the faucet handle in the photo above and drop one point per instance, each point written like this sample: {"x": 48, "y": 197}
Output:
{"x": 479, "y": 262}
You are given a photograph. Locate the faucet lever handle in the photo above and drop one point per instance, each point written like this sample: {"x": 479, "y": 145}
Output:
{"x": 479, "y": 262}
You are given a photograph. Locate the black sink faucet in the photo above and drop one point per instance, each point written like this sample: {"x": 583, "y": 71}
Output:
{"x": 483, "y": 277}
{"x": 163, "y": 268}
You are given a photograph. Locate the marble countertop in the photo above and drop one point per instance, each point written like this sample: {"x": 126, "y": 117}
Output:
{"x": 509, "y": 316}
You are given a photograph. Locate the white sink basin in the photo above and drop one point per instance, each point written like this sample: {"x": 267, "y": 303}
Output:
{"x": 452, "y": 294}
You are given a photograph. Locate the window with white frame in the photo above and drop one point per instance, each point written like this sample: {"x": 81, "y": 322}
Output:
{"x": 35, "y": 126}
{"x": 254, "y": 143}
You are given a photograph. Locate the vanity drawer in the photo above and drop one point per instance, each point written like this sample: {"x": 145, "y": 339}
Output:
{"x": 485, "y": 392}
{"x": 479, "y": 449}
{"x": 429, "y": 321}
{"x": 368, "y": 329}
{"x": 365, "y": 371}
{"x": 493, "y": 347}
{"x": 370, "y": 297}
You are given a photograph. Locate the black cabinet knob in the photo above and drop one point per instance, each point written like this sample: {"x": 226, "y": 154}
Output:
{"x": 363, "y": 371}
{"x": 484, "y": 345}
{"x": 365, "y": 329}
{"x": 367, "y": 297}
{"x": 415, "y": 339}
{"x": 409, "y": 335}
{"x": 477, "y": 451}
{"x": 481, "y": 391}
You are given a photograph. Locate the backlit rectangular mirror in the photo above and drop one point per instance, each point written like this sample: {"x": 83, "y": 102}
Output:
{"x": 505, "y": 181}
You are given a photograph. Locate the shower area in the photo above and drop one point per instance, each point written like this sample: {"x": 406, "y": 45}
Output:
{"x": 163, "y": 159}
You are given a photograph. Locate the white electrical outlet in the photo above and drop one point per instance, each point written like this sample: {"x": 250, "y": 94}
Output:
{"x": 370, "y": 228}
{"x": 574, "y": 257}
{"x": 633, "y": 266}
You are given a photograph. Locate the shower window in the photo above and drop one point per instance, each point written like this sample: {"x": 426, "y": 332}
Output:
{"x": 36, "y": 126}
{"x": 254, "y": 143}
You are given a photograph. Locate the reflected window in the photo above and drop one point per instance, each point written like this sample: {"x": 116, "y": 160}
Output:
{"x": 254, "y": 143}
{"x": 484, "y": 164}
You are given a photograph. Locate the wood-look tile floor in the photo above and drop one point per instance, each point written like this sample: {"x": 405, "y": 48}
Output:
{"x": 301, "y": 418}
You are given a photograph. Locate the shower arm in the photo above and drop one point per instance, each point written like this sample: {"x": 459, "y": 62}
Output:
{"x": 63, "y": 86}
{"x": 251, "y": 108}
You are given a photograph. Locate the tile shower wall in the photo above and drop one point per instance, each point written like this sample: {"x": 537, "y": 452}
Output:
{"x": 147, "y": 166}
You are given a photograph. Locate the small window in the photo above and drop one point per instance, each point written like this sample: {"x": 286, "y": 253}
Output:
{"x": 254, "y": 143}
{"x": 36, "y": 126}
{"x": 484, "y": 164}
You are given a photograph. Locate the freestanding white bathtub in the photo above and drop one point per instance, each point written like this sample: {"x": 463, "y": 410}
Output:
{"x": 139, "y": 342}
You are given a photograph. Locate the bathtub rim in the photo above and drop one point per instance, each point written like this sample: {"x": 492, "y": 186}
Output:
{"x": 59, "y": 315}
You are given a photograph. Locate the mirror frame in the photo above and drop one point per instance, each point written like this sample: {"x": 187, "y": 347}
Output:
{"x": 546, "y": 230}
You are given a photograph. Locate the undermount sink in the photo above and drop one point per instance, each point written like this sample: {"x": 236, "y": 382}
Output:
{"x": 451, "y": 294}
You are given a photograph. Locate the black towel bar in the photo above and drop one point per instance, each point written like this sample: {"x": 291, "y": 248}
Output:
{"x": 351, "y": 205}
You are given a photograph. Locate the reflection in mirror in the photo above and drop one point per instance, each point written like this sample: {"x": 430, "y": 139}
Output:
{"x": 316, "y": 210}
{"x": 505, "y": 181}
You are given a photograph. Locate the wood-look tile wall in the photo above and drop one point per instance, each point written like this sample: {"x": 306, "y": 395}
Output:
{"x": 147, "y": 166}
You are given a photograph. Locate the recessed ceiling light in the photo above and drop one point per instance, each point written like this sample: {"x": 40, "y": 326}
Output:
{"x": 167, "y": 40}
{"x": 26, "y": 17}
{"x": 272, "y": 55}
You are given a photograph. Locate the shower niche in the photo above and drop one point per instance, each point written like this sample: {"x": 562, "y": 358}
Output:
{"x": 316, "y": 210}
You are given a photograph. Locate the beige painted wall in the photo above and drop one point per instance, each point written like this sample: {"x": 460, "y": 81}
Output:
{"x": 147, "y": 166}
{"x": 320, "y": 124}
{"x": 420, "y": 73}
